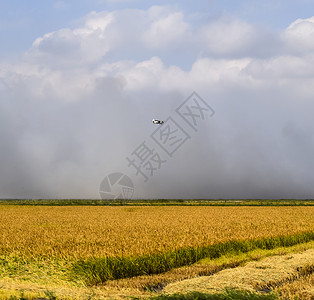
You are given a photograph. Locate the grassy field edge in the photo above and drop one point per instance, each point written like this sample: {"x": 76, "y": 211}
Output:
{"x": 159, "y": 202}
{"x": 143, "y": 286}
{"x": 99, "y": 270}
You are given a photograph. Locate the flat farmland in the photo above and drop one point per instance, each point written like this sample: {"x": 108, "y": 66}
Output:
{"x": 81, "y": 232}
{"x": 84, "y": 246}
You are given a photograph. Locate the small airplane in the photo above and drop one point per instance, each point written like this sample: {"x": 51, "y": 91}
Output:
{"x": 157, "y": 122}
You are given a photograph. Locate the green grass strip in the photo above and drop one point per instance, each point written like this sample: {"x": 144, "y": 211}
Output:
{"x": 159, "y": 202}
{"x": 98, "y": 270}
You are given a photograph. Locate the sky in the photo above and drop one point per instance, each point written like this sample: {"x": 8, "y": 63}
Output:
{"x": 80, "y": 82}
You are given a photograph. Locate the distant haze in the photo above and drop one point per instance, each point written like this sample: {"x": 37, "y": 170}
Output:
{"x": 81, "y": 100}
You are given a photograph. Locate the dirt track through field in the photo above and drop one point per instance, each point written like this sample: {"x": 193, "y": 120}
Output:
{"x": 253, "y": 276}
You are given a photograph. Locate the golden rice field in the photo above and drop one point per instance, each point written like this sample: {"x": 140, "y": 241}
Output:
{"x": 84, "y": 252}
{"x": 81, "y": 232}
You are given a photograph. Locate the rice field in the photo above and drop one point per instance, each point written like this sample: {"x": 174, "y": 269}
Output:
{"x": 92, "y": 244}
{"x": 76, "y": 232}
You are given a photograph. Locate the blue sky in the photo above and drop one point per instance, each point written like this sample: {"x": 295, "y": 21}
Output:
{"x": 80, "y": 82}
{"x": 21, "y": 22}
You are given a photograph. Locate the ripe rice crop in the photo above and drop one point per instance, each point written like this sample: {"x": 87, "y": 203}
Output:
{"x": 96, "y": 271}
{"x": 83, "y": 232}
{"x": 74, "y": 245}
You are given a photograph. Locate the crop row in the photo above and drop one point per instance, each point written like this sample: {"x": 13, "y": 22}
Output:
{"x": 98, "y": 270}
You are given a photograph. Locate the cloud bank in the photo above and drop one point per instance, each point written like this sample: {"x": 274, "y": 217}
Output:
{"x": 81, "y": 100}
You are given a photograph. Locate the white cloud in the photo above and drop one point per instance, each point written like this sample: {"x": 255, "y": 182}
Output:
{"x": 227, "y": 36}
{"x": 82, "y": 98}
{"x": 168, "y": 31}
{"x": 162, "y": 31}
{"x": 96, "y": 21}
{"x": 283, "y": 67}
{"x": 76, "y": 47}
{"x": 144, "y": 74}
{"x": 299, "y": 36}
